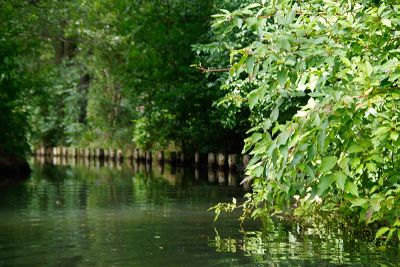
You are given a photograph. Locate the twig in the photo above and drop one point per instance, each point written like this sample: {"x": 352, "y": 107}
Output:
{"x": 206, "y": 70}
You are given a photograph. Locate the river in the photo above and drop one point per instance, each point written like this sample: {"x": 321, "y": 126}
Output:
{"x": 142, "y": 215}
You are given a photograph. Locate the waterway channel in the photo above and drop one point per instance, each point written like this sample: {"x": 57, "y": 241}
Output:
{"x": 143, "y": 215}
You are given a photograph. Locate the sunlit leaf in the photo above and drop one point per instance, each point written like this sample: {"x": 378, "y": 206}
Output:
{"x": 328, "y": 163}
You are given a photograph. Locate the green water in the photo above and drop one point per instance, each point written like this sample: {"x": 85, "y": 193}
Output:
{"x": 141, "y": 216}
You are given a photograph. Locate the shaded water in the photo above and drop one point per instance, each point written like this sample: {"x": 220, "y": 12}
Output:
{"x": 151, "y": 216}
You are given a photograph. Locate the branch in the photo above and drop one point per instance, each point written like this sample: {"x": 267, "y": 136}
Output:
{"x": 207, "y": 70}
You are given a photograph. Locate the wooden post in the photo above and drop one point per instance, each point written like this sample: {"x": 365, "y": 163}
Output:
{"x": 100, "y": 153}
{"x": 48, "y": 152}
{"x": 139, "y": 155}
{"x": 119, "y": 155}
{"x": 65, "y": 152}
{"x": 221, "y": 160}
{"x": 148, "y": 156}
{"x": 129, "y": 154}
{"x": 136, "y": 155}
{"x": 232, "y": 161}
{"x": 93, "y": 153}
{"x": 54, "y": 153}
{"x": 211, "y": 160}
{"x": 106, "y": 154}
{"x": 86, "y": 153}
{"x": 111, "y": 154}
{"x": 160, "y": 157}
{"x": 69, "y": 152}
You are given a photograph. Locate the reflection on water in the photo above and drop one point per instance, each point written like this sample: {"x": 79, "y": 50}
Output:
{"x": 91, "y": 213}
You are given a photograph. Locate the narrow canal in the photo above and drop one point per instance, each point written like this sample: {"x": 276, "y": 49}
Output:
{"x": 124, "y": 215}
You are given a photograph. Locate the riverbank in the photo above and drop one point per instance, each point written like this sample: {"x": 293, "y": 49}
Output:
{"x": 12, "y": 167}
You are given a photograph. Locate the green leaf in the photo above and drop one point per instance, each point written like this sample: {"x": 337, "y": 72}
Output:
{"x": 344, "y": 165}
{"x": 284, "y": 44}
{"x": 371, "y": 166}
{"x": 351, "y": 188}
{"x": 253, "y": 98}
{"x": 274, "y": 114}
{"x": 389, "y": 236}
{"x": 281, "y": 77}
{"x": 386, "y": 22}
{"x": 358, "y": 202}
{"x": 251, "y": 21}
{"x": 394, "y": 135}
{"x": 377, "y": 158}
{"x": 328, "y": 163}
{"x": 250, "y": 65}
{"x": 381, "y": 232}
{"x": 310, "y": 171}
{"x": 355, "y": 148}
{"x": 368, "y": 68}
{"x": 253, "y": 5}
{"x": 340, "y": 179}
{"x": 239, "y": 22}
{"x": 381, "y": 130}
{"x": 255, "y": 137}
{"x": 324, "y": 183}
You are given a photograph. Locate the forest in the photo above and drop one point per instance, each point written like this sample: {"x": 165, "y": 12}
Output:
{"x": 309, "y": 89}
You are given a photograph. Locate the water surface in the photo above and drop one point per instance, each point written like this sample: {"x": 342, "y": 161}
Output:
{"x": 154, "y": 216}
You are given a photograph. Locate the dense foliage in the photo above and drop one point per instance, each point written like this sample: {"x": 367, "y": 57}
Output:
{"x": 17, "y": 78}
{"x": 322, "y": 81}
{"x": 104, "y": 71}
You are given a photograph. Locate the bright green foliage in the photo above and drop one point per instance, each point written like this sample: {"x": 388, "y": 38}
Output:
{"x": 334, "y": 66}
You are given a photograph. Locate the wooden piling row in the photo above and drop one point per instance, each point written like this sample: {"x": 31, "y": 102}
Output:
{"x": 212, "y": 160}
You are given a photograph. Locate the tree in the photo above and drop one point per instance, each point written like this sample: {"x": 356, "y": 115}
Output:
{"x": 321, "y": 79}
